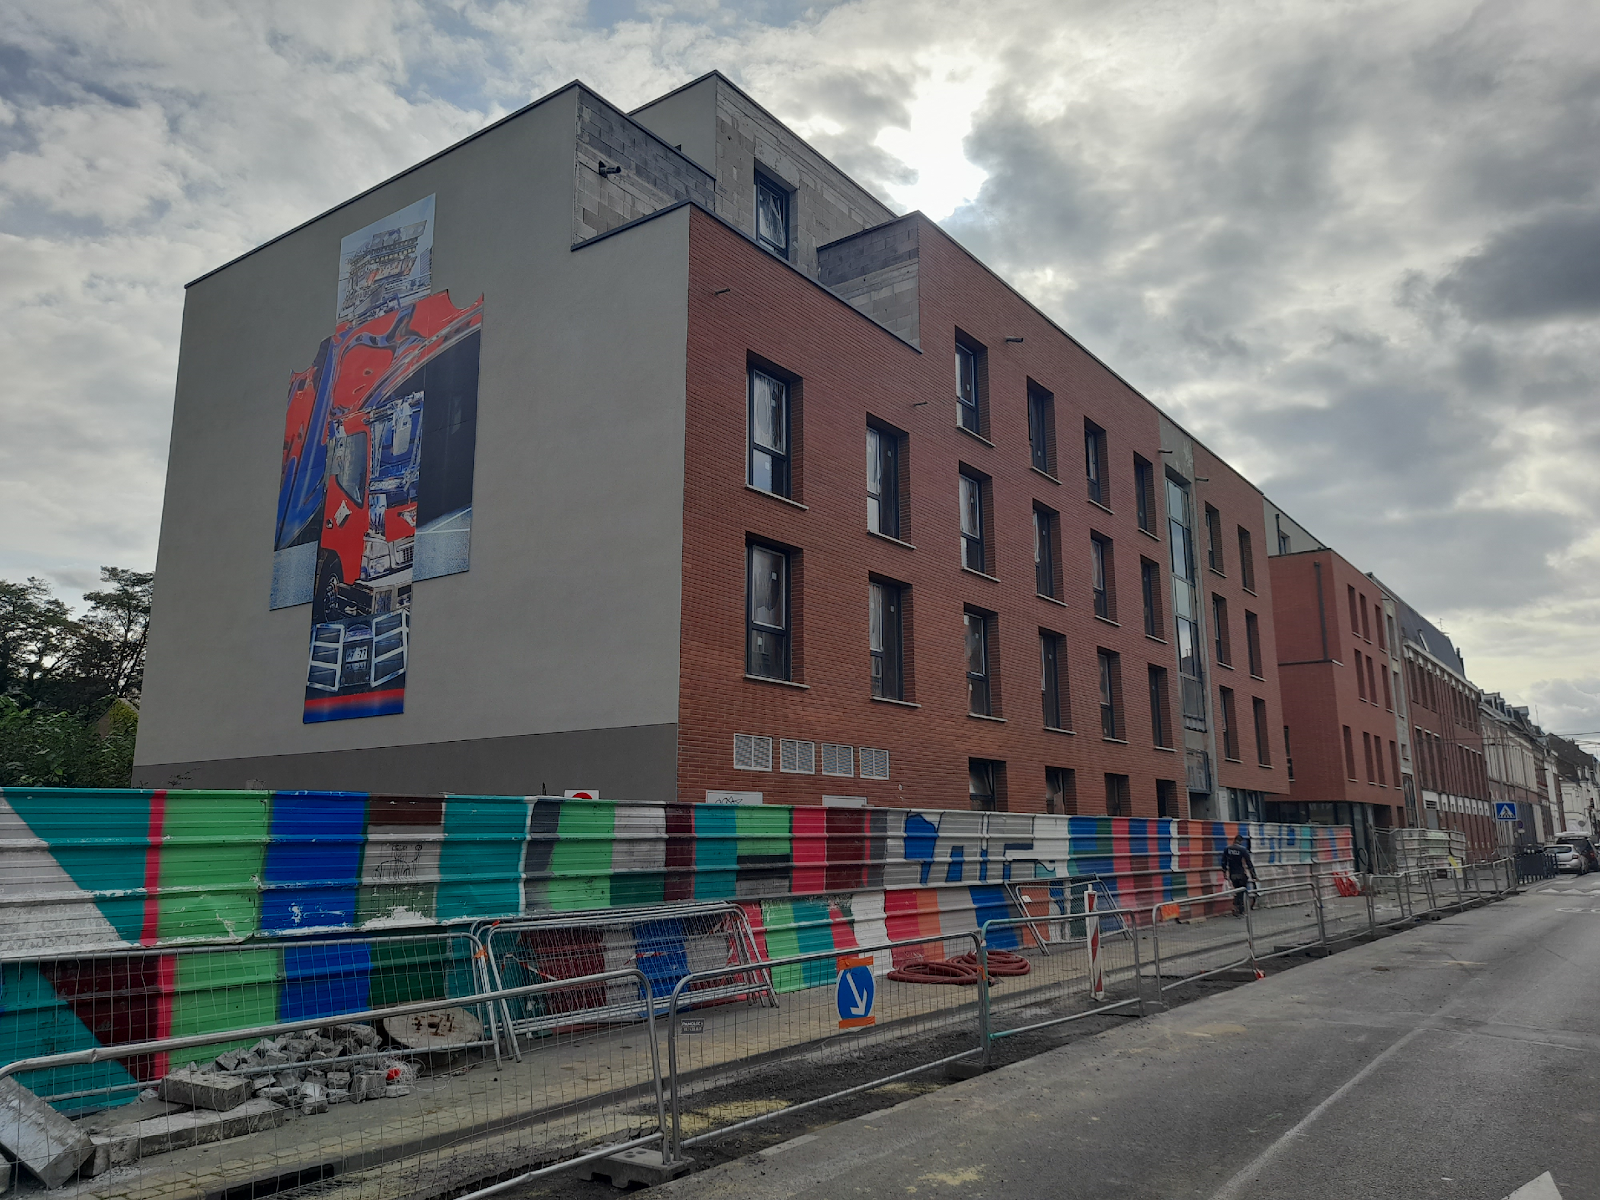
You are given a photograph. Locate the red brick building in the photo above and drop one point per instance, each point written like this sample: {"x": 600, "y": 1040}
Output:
{"x": 1339, "y": 694}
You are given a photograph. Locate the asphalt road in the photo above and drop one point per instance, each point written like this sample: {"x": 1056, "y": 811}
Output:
{"x": 1460, "y": 1059}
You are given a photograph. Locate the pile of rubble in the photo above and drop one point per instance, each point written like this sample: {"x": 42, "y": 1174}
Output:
{"x": 308, "y": 1071}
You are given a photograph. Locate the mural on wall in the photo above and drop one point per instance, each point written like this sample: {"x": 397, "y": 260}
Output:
{"x": 88, "y": 874}
{"x": 375, "y": 489}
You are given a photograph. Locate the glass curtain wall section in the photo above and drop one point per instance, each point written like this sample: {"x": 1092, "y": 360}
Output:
{"x": 1185, "y": 606}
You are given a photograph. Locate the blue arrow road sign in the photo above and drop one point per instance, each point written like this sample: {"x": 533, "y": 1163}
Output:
{"x": 1505, "y": 810}
{"x": 855, "y": 992}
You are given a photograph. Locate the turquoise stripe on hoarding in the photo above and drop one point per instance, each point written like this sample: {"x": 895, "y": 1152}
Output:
{"x": 480, "y": 863}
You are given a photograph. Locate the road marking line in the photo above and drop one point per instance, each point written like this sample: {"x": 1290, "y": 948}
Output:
{"x": 1235, "y": 1186}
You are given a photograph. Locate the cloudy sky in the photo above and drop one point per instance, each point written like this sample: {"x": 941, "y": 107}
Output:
{"x": 1354, "y": 246}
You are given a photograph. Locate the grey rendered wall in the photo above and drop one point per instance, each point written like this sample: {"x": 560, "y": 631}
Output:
{"x": 1278, "y": 521}
{"x": 828, "y": 204}
{"x": 569, "y": 617}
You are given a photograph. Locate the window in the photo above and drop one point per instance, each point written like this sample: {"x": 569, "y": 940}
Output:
{"x": 985, "y": 780}
{"x": 1393, "y": 696}
{"x": 1144, "y": 487}
{"x": 1160, "y": 707}
{"x": 1361, "y": 680}
{"x": 979, "y": 629}
{"x": 838, "y": 760}
{"x": 1355, "y": 617}
{"x": 969, "y": 387}
{"x": 1288, "y": 755}
{"x": 1366, "y": 747}
{"x": 1394, "y": 763}
{"x": 974, "y": 554}
{"x": 1060, "y": 790}
{"x": 1283, "y": 538}
{"x": 1230, "y": 726}
{"x": 1214, "y": 539}
{"x": 1349, "y": 756}
{"x": 1042, "y": 429}
{"x": 1389, "y": 621}
{"x": 1382, "y": 644}
{"x": 1223, "y": 635}
{"x": 1167, "y": 798}
{"x": 1252, "y": 640}
{"x": 1046, "y": 543}
{"x": 767, "y": 636}
{"x": 751, "y": 752}
{"x": 1366, "y": 628}
{"x": 1263, "y": 739}
{"x": 1119, "y": 796}
{"x": 769, "y": 433}
{"x": 883, "y": 638}
{"x": 1372, "y": 681}
{"x": 1102, "y": 578}
{"x": 1150, "y": 592}
{"x": 1377, "y": 754}
{"x": 1052, "y": 655}
{"x": 1110, "y": 694}
{"x": 1094, "y": 459}
{"x": 797, "y": 757}
{"x": 883, "y": 480}
{"x": 772, "y": 216}
{"x": 1247, "y": 561}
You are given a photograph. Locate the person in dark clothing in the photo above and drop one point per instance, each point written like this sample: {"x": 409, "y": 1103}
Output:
{"x": 1240, "y": 869}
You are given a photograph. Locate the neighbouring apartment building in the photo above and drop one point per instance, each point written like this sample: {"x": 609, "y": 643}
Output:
{"x": 1517, "y": 765}
{"x": 648, "y": 454}
{"x": 1577, "y": 776}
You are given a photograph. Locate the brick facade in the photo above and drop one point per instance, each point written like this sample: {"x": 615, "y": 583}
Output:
{"x": 743, "y": 302}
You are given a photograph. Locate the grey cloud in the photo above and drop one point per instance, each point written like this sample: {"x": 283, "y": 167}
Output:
{"x": 1544, "y": 268}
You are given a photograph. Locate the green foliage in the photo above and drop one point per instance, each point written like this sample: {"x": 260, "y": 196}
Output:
{"x": 69, "y": 686}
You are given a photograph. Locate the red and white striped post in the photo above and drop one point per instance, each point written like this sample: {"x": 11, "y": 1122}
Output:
{"x": 1091, "y": 924}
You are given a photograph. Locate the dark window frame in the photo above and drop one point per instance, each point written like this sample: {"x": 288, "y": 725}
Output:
{"x": 1252, "y": 639}
{"x": 1062, "y": 783}
{"x": 1095, "y": 463}
{"x": 1102, "y": 576}
{"x": 1258, "y": 709}
{"x": 886, "y": 661}
{"x": 971, "y": 399}
{"x": 1055, "y": 701}
{"x": 1119, "y": 795}
{"x": 1041, "y": 429}
{"x": 765, "y": 182}
{"x": 1108, "y": 664}
{"x": 1247, "y": 561}
{"x": 1214, "y": 557}
{"x": 1150, "y": 593}
{"x": 1228, "y": 719}
{"x": 890, "y": 469}
{"x": 1222, "y": 630}
{"x": 983, "y": 693}
{"x": 1160, "y": 707}
{"x": 1144, "y": 489}
{"x": 974, "y": 545}
{"x": 1046, "y": 552}
{"x": 782, "y": 634}
{"x": 781, "y": 461}
{"x": 992, "y": 774}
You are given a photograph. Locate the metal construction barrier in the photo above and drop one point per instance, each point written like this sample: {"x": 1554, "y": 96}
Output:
{"x": 879, "y": 993}
{"x": 1535, "y": 865}
{"x": 436, "y": 1123}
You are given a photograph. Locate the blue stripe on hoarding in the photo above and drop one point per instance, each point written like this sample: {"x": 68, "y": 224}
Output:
{"x": 989, "y": 904}
{"x": 313, "y": 862}
{"x": 324, "y": 981}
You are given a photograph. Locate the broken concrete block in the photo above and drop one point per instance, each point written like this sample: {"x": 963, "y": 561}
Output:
{"x": 274, "y": 1058}
{"x": 230, "y": 1060}
{"x": 338, "y": 1095}
{"x": 370, "y": 1084}
{"x": 278, "y": 1095}
{"x": 39, "y": 1137}
{"x": 219, "y": 1093}
{"x": 339, "y": 1079}
{"x": 313, "y": 1098}
{"x": 364, "y": 1035}
{"x": 261, "y": 1083}
{"x": 177, "y": 1131}
{"x": 290, "y": 1077}
{"x": 395, "y": 1090}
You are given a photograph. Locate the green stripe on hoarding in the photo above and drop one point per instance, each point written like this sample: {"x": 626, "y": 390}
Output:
{"x": 580, "y": 860}
{"x": 762, "y": 829}
{"x": 213, "y": 993}
{"x": 211, "y": 855}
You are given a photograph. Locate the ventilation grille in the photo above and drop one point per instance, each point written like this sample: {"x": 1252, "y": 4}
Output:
{"x": 874, "y": 763}
{"x": 752, "y": 753}
{"x": 838, "y": 760}
{"x": 797, "y": 758}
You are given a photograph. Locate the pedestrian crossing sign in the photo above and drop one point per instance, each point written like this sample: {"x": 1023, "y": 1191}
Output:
{"x": 1505, "y": 810}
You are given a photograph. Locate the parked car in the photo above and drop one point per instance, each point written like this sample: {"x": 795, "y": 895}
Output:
{"x": 1585, "y": 846}
{"x": 1569, "y": 858}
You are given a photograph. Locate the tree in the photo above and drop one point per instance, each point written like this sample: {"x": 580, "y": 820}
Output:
{"x": 69, "y": 687}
